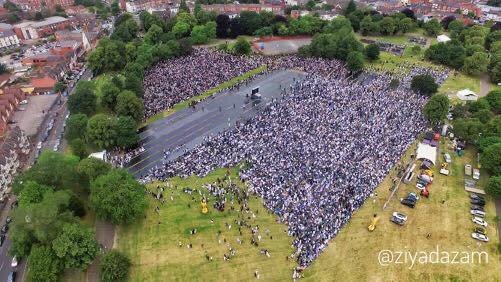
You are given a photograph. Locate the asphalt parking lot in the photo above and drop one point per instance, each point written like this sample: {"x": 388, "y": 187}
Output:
{"x": 30, "y": 117}
{"x": 282, "y": 46}
{"x": 186, "y": 129}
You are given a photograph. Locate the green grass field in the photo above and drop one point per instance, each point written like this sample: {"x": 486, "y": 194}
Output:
{"x": 459, "y": 81}
{"x": 352, "y": 256}
{"x": 184, "y": 104}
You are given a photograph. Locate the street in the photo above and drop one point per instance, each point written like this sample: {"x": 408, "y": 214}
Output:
{"x": 58, "y": 113}
{"x": 186, "y": 129}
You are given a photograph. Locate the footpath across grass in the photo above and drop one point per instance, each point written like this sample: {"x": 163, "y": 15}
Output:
{"x": 184, "y": 104}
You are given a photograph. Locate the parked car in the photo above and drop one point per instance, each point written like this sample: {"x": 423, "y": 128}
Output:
{"x": 407, "y": 202}
{"x": 479, "y": 221}
{"x": 476, "y": 174}
{"x": 8, "y": 220}
{"x": 397, "y": 220}
{"x": 4, "y": 229}
{"x": 478, "y": 208}
{"x": 413, "y": 196}
{"x": 14, "y": 262}
{"x": 2, "y": 239}
{"x": 447, "y": 158}
{"x": 39, "y": 145}
{"x": 477, "y": 213}
{"x": 400, "y": 216}
{"x": 420, "y": 186}
{"x": 477, "y": 202}
{"x": 11, "y": 277}
{"x": 480, "y": 237}
{"x": 476, "y": 197}
{"x": 479, "y": 230}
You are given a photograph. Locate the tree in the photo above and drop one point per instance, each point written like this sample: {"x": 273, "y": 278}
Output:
{"x": 350, "y": 8}
{"x": 408, "y": 13}
{"x": 387, "y": 26}
{"x": 355, "y": 61}
{"x": 102, "y": 131}
{"x": 83, "y": 100}
{"x": 108, "y": 56}
{"x": 483, "y": 115}
{"x": 181, "y": 30}
{"x": 493, "y": 187}
{"x": 118, "y": 197}
{"x": 76, "y": 246}
{"x": 109, "y": 93}
{"x": 210, "y": 29}
{"x": 250, "y": 21}
{"x": 494, "y": 100}
{"x": 39, "y": 16}
{"x": 93, "y": 167}
{"x": 51, "y": 169}
{"x": 450, "y": 54}
{"x": 76, "y": 126}
{"x": 432, "y": 27}
{"x": 223, "y": 25}
{"x": 125, "y": 31}
{"x": 128, "y": 104}
{"x": 436, "y": 109}
{"x": 115, "y": 8}
{"x": 242, "y": 46}
{"x": 134, "y": 83}
{"x": 198, "y": 35}
{"x": 58, "y": 87}
{"x": 405, "y": 25}
{"x": 492, "y": 37}
{"x": 78, "y": 148}
{"x": 114, "y": 266}
{"x": 424, "y": 84}
{"x": 491, "y": 159}
{"x": 476, "y": 64}
{"x": 153, "y": 34}
{"x": 372, "y": 51}
{"x": 446, "y": 21}
{"x": 484, "y": 142}
{"x": 44, "y": 264}
{"x": 183, "y": 8}
{"x": 32, "y": 193}
{"x": 468, "y": 129}
{"x": 127, "y": 135}
{"x": 455, "y": 28}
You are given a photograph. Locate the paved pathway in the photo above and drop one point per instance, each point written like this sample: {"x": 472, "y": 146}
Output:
{"x": 485, "y": 85}
{"x": 105, "y": 235}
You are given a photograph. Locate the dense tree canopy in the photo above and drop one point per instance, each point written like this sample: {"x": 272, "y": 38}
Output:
{"x": 424, "y": 84}
{"x": 128, "y": 104}
{"x": 491, "y": 159}
{"x": 355, "y": 61}
{"x": 494, "y": 186}
{"x": 83, "y": 100}
{"x": 75, "y": 246}
{"x": 436, "y": 108}
{"x": 114, "y": 266}
{"x": 101, "y": 131}
{"x": 76, "y": 126}
{"x": 44, "y": 264}
{"x": 118, "y": 197}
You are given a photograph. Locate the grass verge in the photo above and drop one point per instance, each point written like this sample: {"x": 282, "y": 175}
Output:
{"x": 184, "y": 104}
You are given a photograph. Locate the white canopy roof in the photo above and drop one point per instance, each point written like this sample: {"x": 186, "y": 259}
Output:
{"x": 425, "y": 151}
{"x": 98, "y": 155}
{"x": 443, "y": 38}
{"x": 467, "y": 95}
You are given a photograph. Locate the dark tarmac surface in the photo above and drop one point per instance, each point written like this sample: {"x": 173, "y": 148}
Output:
{"x": 186, "y": 129}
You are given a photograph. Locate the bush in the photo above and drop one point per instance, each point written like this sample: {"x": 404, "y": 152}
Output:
{"x": 372, "y": 52}
{"x": 491, "y": 159}
{"x": 242, "y": 46}
{"x": 114, "y": 266}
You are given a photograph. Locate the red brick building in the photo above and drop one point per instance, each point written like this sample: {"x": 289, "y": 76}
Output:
{"x": 34, "y": 30}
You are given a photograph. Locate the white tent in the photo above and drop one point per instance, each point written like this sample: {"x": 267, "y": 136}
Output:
{"x": 443, "y": 38}
{"x": 425, "y": 151}
{"x": 99, "y": 155}
{"x": 467, "y": 95}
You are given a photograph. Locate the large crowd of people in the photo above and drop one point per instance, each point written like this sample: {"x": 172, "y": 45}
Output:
{"x": 315, "y": 155}
{"x": 179, "y": 79}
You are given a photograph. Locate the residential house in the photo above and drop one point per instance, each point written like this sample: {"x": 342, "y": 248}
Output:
{"x": 14, "y": 148}
{"x": 37, "y": 5}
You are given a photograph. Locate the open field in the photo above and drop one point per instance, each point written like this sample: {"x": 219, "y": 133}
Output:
{"x": 184, "y": 104}
{"x": 459, "y": 81}
{"x": 351, "y": 256}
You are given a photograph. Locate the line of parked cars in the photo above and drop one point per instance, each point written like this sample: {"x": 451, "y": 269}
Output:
{"x": 477, "y": 211}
